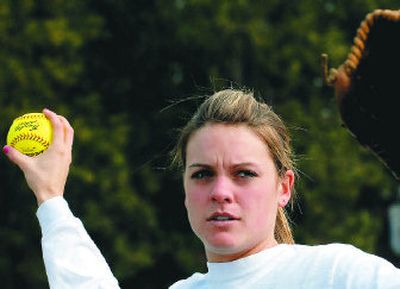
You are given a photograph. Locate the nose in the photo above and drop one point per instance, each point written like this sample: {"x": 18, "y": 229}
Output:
{"x": 221, "y": 191}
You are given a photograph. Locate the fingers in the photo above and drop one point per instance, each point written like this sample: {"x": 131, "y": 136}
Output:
{"x": 68, "y": 132}
{"x": 16, "y": 157}
{"x": 58, "y": 130}
{"x": 63, "y": 133}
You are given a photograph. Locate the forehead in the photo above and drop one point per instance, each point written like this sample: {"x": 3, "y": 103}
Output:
{"x": 234, "y": 143}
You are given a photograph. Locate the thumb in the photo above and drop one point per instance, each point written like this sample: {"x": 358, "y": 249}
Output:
{"x": 15, "y": 156}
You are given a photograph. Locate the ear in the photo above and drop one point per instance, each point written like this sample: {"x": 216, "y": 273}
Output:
{"x": 286, "y": 187}
{"x": 184, "y": 191}
{"x": 186, "y": 202}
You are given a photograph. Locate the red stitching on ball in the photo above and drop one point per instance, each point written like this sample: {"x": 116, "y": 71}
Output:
{"x": 30, "y": 136}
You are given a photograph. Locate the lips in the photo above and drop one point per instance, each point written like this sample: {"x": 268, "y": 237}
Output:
{"x": 222, "y": 217}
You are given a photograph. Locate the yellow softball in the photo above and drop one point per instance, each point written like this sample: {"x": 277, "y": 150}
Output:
{"x": 30, "y": 133}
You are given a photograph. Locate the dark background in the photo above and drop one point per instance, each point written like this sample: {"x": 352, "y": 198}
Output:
{"x": 127, "y": 74}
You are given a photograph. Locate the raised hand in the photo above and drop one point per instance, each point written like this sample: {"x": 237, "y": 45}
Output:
{"x": 46, "y": 174}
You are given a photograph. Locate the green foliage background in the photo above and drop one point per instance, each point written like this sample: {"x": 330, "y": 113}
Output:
{"x": 124, "y": 73}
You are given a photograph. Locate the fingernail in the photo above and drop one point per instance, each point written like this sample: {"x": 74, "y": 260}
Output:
{"x": 6, "y": 149}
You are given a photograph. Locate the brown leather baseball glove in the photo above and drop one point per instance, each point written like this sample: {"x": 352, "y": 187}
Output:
{"x": 367, "y": 86}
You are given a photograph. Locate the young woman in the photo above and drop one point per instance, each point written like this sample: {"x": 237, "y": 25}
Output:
{"x": 238, "y": 174}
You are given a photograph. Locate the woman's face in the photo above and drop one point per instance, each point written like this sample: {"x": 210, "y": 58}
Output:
{"x": 232, "y": 191}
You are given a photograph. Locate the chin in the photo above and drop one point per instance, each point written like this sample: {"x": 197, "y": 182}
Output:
{"x": 227, "y": 248}
{"x": 222, "y": 247}
{"x": 221, "y": 240}
{"x": 223, "y": 254}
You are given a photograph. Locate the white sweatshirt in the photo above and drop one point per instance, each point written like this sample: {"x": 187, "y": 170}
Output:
{"x": 72, "y": 260}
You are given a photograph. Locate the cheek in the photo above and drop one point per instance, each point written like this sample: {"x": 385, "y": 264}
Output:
{"x": 196, "y": 206}
{"x": 194, "y": 197}
{"x": 262, "y": 205}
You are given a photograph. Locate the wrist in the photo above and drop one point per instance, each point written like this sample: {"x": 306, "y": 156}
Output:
{"x": 45, "y": 196}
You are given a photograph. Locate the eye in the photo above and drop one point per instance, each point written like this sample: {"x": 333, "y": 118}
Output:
{"x": 201, "y": 174}
{"x": 246, "y": 174}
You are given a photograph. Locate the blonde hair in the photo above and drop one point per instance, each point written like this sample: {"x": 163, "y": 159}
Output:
{"x": 240, "y": 107}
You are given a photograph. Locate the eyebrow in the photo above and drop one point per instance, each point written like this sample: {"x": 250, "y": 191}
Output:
{"x": 200, "y": 165}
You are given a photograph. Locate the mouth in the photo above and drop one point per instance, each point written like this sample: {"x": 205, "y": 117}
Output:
{"x": 222, "y": 217}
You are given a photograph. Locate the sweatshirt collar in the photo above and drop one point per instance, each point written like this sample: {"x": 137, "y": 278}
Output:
{"x": 229, "y": 271}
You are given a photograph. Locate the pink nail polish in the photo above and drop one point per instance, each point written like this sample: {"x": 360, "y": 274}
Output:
{"x": 6, "y": 149}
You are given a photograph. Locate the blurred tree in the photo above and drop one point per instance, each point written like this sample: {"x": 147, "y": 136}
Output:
{"x": 40, "y": 62}
{"x": 43, "y": 59}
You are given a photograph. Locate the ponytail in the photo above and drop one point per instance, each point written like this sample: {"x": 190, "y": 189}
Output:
{"x": 283, "y": 233}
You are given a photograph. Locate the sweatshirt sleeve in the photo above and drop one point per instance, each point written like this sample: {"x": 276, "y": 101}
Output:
{"x": 71, "y": 258}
